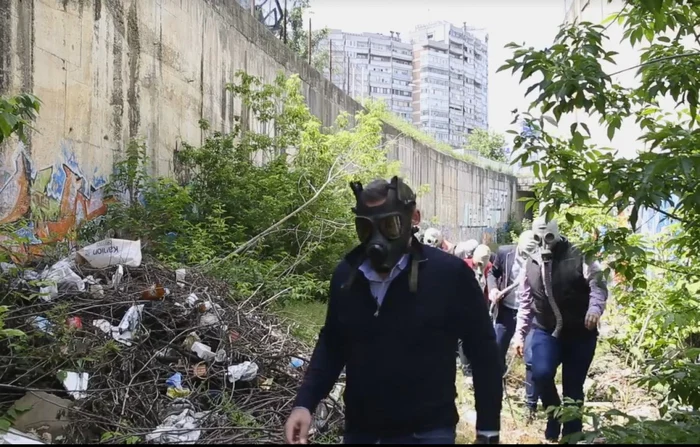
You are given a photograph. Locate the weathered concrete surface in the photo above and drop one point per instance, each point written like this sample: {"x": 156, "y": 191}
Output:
{"x": 109, "y": 71}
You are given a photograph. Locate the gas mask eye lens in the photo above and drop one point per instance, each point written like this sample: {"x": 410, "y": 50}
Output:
{"x": 363, "y": 227}
{"x": 390, "y": 226}
{"x": 538, "y": 239}
{"x": 549, "y": 238}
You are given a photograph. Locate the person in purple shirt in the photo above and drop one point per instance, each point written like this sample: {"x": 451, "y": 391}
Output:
{"x": 563, "y": 297}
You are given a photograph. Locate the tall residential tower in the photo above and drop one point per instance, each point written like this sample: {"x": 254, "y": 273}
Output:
{"x": 450, "y": 81}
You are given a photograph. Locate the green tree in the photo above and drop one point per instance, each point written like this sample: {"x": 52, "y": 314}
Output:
{"x": 16, "y": 115}
{"x": 570, "y": 77}
{"x": 298, "y": 37}
{"x": 488, "y": 144}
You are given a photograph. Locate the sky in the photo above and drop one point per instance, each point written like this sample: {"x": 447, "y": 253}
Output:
{"x": 533, "y": 22}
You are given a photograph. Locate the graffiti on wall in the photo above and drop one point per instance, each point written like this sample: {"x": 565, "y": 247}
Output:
{"x": 53, "y": 199}
{"x": 489, "y": 213}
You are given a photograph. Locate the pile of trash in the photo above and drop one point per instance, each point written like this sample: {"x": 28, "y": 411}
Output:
{"x": 118, "y": 351}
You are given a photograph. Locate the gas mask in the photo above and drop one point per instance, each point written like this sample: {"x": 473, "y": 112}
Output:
{"x": 433, "y": 237}
{"x": 546, "y": 235}
{"x": 465, "y": 250}
{"x": 482, "y": 253}
{"x": 526, "y": 244}
{"x": 385, "y": 230}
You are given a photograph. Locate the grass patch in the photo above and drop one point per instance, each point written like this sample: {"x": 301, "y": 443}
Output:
{"x": 306, "y": 317}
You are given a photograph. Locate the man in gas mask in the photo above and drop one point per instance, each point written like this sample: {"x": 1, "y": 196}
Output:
{"x": 393, "y": 299}
{"x": 465, "y": 250}
{"x": 568, "y": 297}
{"x": 504, "y": 282}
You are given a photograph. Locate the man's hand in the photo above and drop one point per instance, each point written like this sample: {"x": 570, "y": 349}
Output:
{"x": 592, "y": 319}
{"x": 519, "y": 346}
{"x": 296, "y": 430}
{"x": 494, "y": 295}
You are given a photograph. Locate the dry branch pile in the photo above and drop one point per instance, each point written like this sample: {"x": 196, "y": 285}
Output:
{"x": 129, "y": 393}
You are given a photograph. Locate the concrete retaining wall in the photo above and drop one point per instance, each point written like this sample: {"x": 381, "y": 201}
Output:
{"x": 108, "y": 71}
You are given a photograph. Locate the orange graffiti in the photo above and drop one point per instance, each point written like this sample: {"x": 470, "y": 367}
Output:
{"x": 21, "y": 192}
{"x": 79, "y": 201}
{"x": 75, "y": 207}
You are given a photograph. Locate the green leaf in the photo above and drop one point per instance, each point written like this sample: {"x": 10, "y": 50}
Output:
{"x": 577, "y": 141}
{"x": 13, "y": 333}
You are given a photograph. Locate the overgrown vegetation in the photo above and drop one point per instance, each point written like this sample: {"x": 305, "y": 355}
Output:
{"x": 276, "y": 228}
{"x": 657, "y": 278}
{"x": 298, "y": 36}
{"x": 418, "y": 135}
{"x": 488, "y": 144}
{"x": 16, "y": 115}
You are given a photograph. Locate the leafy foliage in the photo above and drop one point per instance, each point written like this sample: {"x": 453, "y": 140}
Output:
{"x": 16, "y": 115}
{"x": 298, "y": 37}
{"x": 276, "y": 228}
{"x": 491, "y": 145}
{"x": 658, "y": 278}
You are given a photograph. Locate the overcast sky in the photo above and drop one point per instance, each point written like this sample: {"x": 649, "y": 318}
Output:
{"x": 534, "y": 22}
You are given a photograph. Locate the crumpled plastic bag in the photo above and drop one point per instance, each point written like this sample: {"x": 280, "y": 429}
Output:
{"x": 75, "y": 383}
{"x": 243, "y": 372}
{"x": 63, "y": 277}
{"x": 13, "y": 436}
{"x": 110, "y": 252}
{"x": 180, "y": 426}
{"x": 123, "y": 333}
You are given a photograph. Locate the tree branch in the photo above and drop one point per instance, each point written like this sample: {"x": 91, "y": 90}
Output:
{"x": 654, "y": 61}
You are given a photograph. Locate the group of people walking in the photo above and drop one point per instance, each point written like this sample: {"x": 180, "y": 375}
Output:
{"x": 401, "y": 305}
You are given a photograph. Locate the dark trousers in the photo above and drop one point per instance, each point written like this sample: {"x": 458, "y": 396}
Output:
{"x": 505, "y": 328}
{"x": 531, "y": 396}
{"x": 575, "y": 354}
{"x": 438, "y": 436}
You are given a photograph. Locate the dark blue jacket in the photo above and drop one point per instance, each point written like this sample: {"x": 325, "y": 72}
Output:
{"x": 400, "y": 364}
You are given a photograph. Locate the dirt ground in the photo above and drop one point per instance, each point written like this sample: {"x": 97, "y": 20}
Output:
{"x": 610, "y": 385}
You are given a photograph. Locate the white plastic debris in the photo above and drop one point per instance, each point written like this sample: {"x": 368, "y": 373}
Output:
{"x": 104, "y": 326}
{"x": 205, "y": 353}
{"x": 123, "y": 333}
{"x": 209, "y": 319}
{"x": 180, "y": 428}
{"x": 130, "y": 322}
{"x": 76, "y": 384}
{"x": 180, "y": 277}
{"x": 6, "y": 267}
{"x": 61, "y": 276}
{"x": 110, "y": 252}
{"x": 192, "y": 300}
{"x": 13, "y": 436}
{"x": 117, "y": 277}
{"x": 243, "y": 372}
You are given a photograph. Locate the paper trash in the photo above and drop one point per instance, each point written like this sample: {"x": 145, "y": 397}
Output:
{"x": 76, "y": 384}
{"x": 243, "y": 372}
{"x": 178, "y": 428}
{"x": 62, "y": 277}
{"x": 13, "y": 436}
{"x": 110, "y": 252}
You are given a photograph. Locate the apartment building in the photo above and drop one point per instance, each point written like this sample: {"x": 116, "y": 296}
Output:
{"x": 450, "y": 81}
{"x": 370, "y": 65}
